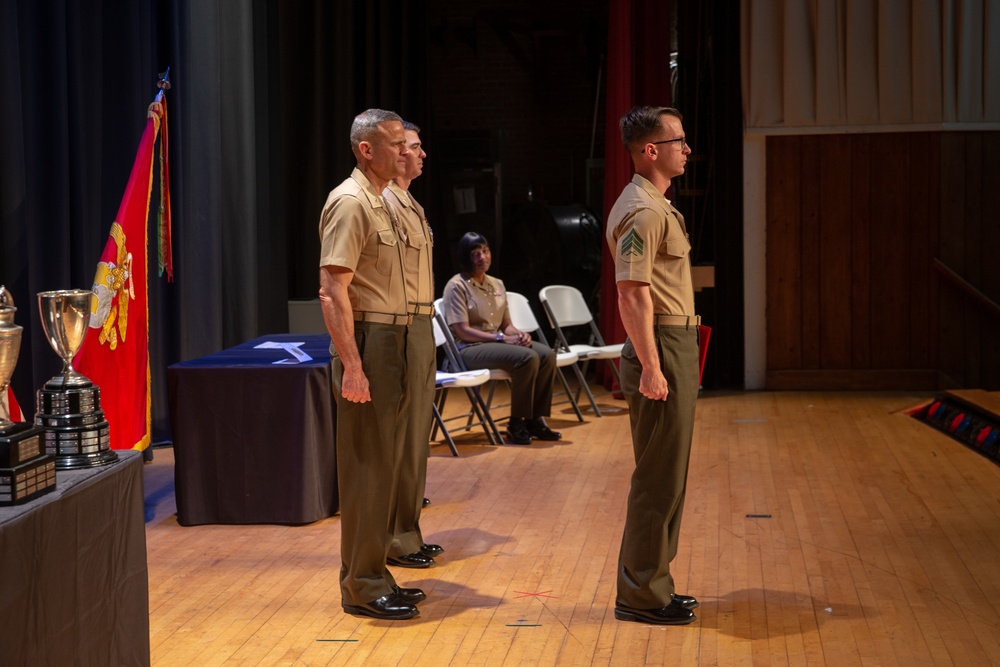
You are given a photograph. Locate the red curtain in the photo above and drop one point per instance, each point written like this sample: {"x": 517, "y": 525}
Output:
{"x": 638, "y": 73}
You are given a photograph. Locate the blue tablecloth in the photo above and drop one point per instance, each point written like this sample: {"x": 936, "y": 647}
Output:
{"x": 254, "y": 440}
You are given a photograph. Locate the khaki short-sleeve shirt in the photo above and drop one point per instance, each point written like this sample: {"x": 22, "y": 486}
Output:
{"x": 357, "y": 233}
{"x": 483, "y": 307}
{"x": 418, "y": 245}
{"x": 650, "y": 244}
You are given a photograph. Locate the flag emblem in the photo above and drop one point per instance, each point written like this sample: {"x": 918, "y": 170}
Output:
{"x": 113, "y": 279}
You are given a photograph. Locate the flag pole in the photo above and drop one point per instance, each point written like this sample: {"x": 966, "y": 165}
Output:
{"x": 164, "y": 232}
{"x": 163, "y": 83}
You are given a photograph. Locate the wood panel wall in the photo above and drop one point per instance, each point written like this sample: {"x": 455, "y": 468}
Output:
{"x": 854, "y": 224}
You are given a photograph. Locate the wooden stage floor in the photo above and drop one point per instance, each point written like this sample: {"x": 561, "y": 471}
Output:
{"x": 820, "y": 529}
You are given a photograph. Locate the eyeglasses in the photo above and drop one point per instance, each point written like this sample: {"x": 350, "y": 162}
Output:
{"x": 679, "y": 140}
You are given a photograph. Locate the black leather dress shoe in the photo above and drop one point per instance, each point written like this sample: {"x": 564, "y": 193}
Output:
{"x": 432, "y": 550}
{"x": 672, "y": 614}
{"x": 427, "y": 501}
{"x": 686, "y": 601}
{"x": 517, "y": 432}
{"x": 409, "y": 595}
{"x": 387, "y": 608}
{"x": 416, "y": 560}
{"x": 540, "y": 430}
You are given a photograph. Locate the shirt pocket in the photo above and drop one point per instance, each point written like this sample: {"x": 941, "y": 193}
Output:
{"x": 676, "y": 254}
{"x": 415, "y": 242}
{"x": 388, "y": 254}
{"x": 413, "y": 247}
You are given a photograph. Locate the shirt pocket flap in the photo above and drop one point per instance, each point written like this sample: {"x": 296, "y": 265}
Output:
{"x": 415, "y": 241}
{"x": 678, "y": 248}
{"x": 386, "y": 237}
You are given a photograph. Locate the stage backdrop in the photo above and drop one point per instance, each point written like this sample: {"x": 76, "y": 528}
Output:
{"x": 262, "y": 100}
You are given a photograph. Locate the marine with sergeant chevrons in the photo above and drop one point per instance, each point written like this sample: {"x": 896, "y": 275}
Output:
{"x": 659, "y": 364}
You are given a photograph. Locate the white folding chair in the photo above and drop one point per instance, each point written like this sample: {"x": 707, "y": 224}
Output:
{"x": 458, "y": 363}
{"x": 566, "y": 307}
{"x": 522, "y": 317}
{"x": 468, "y": 380}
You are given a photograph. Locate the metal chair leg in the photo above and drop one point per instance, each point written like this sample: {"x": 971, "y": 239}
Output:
{"x": 447, "y": 436}
{"x": 583, "y": 383}
{"x": 569, "y": 394}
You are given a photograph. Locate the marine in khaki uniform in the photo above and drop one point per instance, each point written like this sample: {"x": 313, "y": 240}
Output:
{"x": 363, "y": 297}
{"x": 659, "y": 364}
{"x": 408, "y": 548}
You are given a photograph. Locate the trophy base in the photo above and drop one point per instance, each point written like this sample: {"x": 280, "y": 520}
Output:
{"x": 68, "y": 381}
{"x": 8, "y": 428}
{"x": 79, "y": 447}
{"x": 75, "y": 401}
{"x": 93, "y": 460}
{"x": 76, "y": 432}
{"x": 19, "y": 444}
{"x": 23, "y": 483}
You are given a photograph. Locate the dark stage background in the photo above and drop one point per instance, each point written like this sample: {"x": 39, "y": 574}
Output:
{"x": 512, "y": 96}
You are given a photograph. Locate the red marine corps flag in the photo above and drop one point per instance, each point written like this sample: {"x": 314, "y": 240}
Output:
{"x": 115, "y": 354}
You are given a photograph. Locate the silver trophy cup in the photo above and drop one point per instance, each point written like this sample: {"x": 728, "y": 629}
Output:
{"x": 69, "y": 405}
{"x": 65, "y": 319}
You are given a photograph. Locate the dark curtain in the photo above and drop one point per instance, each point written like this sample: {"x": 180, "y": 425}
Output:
{"x": 638, "y": 74}
{"x": 260, "y": 110}
{"x": 337, "y": 59}
{"x": 75, "y": 81}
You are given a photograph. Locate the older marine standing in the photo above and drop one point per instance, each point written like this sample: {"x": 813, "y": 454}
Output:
{"x": 364, "y": 304}
{"x": 408, "y": 548}
{"x": 659, "y": 364}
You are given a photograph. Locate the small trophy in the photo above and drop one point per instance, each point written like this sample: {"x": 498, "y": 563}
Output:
{"x": 26, "y": 472}
{"x": 69, "y": 405}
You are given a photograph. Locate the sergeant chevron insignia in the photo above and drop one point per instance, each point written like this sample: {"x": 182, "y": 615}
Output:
{"x": 632, "y": 246}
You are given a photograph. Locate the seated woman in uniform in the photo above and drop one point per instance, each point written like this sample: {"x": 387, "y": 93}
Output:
{"x": 475, "y": 307}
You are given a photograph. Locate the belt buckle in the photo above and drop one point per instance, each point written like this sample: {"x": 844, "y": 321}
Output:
{"x": 421, "y": 309}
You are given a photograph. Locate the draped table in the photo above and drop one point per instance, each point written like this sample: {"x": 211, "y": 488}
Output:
{"x": 74, "y": 588}
{"x": 254, "y": 439}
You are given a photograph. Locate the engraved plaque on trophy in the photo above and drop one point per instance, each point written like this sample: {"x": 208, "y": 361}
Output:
{"x": 69, "y": 405}
{"x": 26, "y": 472}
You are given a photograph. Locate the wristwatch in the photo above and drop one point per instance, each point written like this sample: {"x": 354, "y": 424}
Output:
{"x": 499, "y": 336}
